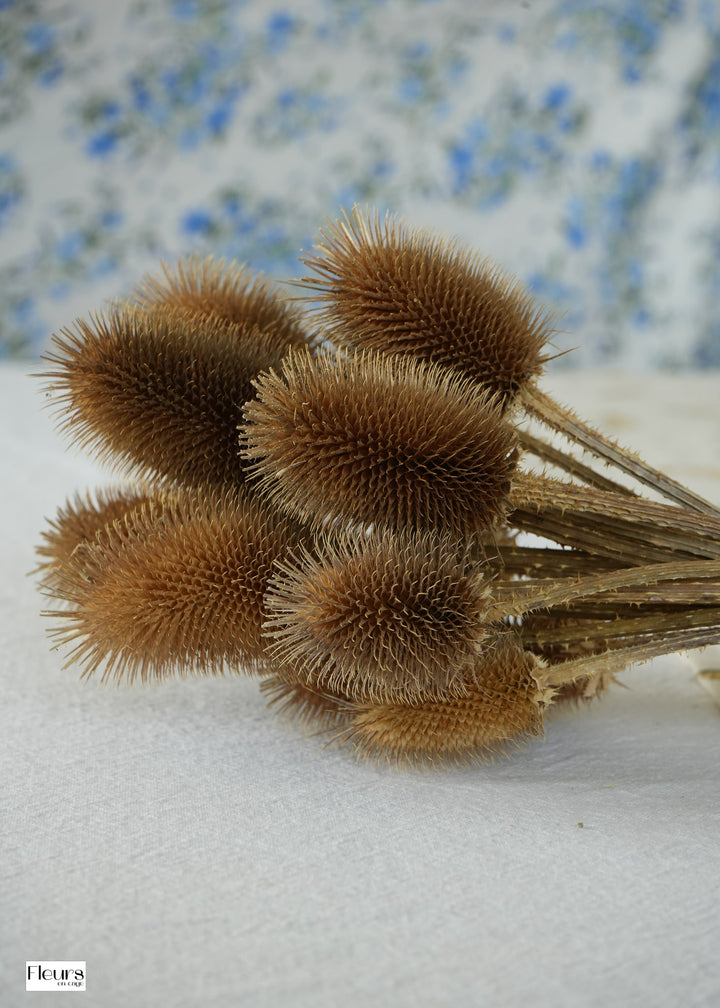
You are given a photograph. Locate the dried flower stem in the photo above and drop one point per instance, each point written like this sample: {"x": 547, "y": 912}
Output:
{"x": 633, "y": 530}
{"x": 565, "y": 422}
{"x": 616, "y": 659}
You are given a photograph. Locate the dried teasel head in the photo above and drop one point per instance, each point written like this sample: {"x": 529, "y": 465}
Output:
{"x": 157, "y": 393}
{"x": 176, "y": 586}
{"x": 387, "y": 287}
{"x": 389, "y": 616}
{"x": 377, "y": 439}
{"x": 213, "y": 288}
{"x": 305, "y": 705}
{"x": 504, "y": 707}
{"x": 78, "y": 523}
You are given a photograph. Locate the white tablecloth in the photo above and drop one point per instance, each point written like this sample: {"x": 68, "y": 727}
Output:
{"x": 194, "y": 849}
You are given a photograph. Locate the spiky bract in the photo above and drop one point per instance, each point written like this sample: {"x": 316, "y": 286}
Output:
{"x": 304, "y": 704}
{"x": 212, "y": 288}
{"x": 173, "y": 587}
{"x": 385, "y": 617}
{"x": 159, "y": 394}
{"x": 80, "y": 521}
{"x": 504, "y": 707}
{"x": 377, "y": 439}
{"x": 390, "y": 288}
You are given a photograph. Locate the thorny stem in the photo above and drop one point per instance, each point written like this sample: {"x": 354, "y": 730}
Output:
{"x": 543, "y": 408}
{"x": 615, "y": 659}
{"x": 630, "y": 530}
{"x": 629, "y": 631}
{"x": 567, "y": 463}
{"x": 545, "y": 597}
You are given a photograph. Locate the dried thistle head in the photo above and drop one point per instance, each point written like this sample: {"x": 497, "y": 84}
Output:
{"x": 159, "y": 394}
{"x": 377, "y": 439}
{"x": 505, "y": 706}
{"x": 390, "y": 288}
{"x": 79, "y": 521}
{"x": 502, "y": 708}
{"x": 214, "y": 289}
{"x": 385, "y": 617}
{"x": 174, "y": 586}
{"x": 305, "y": 705}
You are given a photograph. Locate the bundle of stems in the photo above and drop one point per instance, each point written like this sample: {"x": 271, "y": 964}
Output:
{"x": 343, "y": 513}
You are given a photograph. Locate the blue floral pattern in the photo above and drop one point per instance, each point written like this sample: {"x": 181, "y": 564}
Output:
{"x": 576, "y": 142}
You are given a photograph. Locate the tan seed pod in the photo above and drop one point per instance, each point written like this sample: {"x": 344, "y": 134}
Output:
{"x": 377, "y": 439}
{"x": 385, "y": 617}
{"x": 172, "y": 588}
{"x": 505, "y": 707}
{"x": 304, "y": 705}
{"x": 213, "y": 288}
{"x": 387, "y": 287}
{"x": 158, "y": 394}
{"x": 79, "y": 521}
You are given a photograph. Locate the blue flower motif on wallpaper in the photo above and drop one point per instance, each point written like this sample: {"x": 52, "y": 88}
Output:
{"x": 520, "y": 136}
{"x": 11, "y": 188}
{"x": 576, "y": 142}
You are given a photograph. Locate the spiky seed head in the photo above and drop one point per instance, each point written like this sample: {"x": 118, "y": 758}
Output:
{"x": 213, "y": 288}
{"x": 174, "y": 587}
{"x": 391, "y": 288}
{"x": 80, "y": 520}
{"x": 158, "y": 394}
{"x": 505, "y": 706}
{"x": 305, "y": 705}
{"x": 377, "y": 439}
{"x": 385, "y": 617}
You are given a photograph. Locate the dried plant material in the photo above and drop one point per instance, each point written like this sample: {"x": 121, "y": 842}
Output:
{"x": 630, "y": 530}
{"x": 377, "y": 579}
{"x": 157, "y": 394}
{"x": 599, "y": 664}
{"x": 79, "y": 521}
{"x": 505, "y": 707}
{"x": 176, "y": 586}
{"x": 394, "y": 289}
{"x": 548, "y": 593}
{"x": 214, "y": 289}
{"x": 585, "y": 689}
{"x": 385, "y": 617}
{"x": 389, "y": 288}
{"x": 564, "y": 421}
{"x": 304, "y": 705}
{"x": 373, "y": 439}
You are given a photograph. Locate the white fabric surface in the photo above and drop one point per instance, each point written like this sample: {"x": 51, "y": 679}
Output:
{"x": 195, "y": 850}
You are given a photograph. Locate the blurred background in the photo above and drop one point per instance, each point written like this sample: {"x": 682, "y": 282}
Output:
{"x": 576, "y": 142}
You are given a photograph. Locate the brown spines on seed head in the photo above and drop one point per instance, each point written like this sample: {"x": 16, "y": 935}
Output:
{"x": 158, "y": 394}
{"x": 505, "y": 706}
{"x": 305, "y": 705}
{"x": 389, "y": 288}
{"x": 377, "y": 439}
{"x": 389, "y": 617}
{"x": 212, "y": 288}
{"x": 175, "y": 587}
{"x": 80, "y": 521}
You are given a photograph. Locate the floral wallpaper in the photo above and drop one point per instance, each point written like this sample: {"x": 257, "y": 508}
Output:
{"x": 576, "y": 142}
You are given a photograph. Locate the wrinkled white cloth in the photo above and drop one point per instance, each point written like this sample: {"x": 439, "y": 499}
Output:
{"x": 194, "y": 849}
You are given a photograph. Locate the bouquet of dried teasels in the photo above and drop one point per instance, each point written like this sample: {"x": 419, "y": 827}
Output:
{"x": 338, "y": 502}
